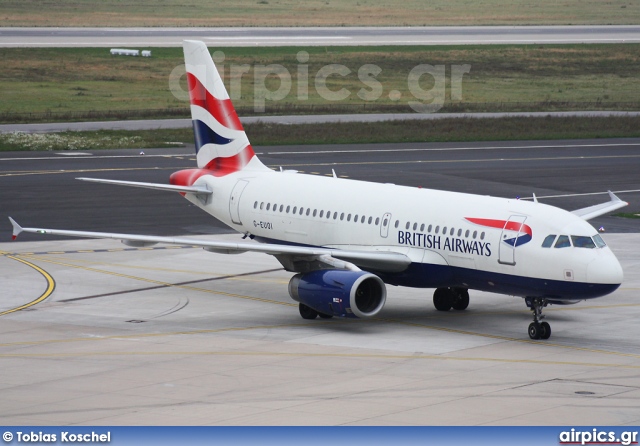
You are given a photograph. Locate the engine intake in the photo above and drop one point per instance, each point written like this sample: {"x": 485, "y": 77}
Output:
{"x": 355, "y": 294}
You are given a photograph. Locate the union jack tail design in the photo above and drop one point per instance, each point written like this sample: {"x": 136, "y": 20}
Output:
{"x": 222, "y": 146}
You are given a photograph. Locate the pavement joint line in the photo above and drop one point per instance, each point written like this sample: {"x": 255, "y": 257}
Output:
{"x": 506, "y": 338}
{"x": 319, "y": 355}
{"x": 170, "y": 270}
{"x": 167, "y": 284}
{"x": 51, "y": 284}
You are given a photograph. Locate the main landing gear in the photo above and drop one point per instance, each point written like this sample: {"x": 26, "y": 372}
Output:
{"x": 445, "y": 299}
{"x": 537, "y": 329}
{"x": 309, "y": 313}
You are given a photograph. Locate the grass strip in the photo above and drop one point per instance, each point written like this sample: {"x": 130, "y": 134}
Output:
{"x": 48, "y": 84}
{"x": 261, "y": 134}
{"x": 316, "y": 12}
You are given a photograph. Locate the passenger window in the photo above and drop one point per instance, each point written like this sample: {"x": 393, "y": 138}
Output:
{"x": 378, "y": 221}
{"x": 599, "y": 242}
{"x": 459, "y": 232}
{"x": 309, "y": 210}
{"x": 475, "y": 233}
{"x": 482, "y": 236}
{"x": 407, "y": 225}
{"x": 363, "y": 218}
{"x": 444, "y": 231}
{"x": 288, "y": 207}
{"x": 349, "y": 217}
{"x": 281, "y": 207}
{"x": 255, "y": 205}
{"x": 466, "y": 234}
{"x": 429, "y": 229}
{"x": 548, "y": 241}
{"x": 582, "y": 242}
{"x": 342, "y": 216}
{"x": 563, "y": 242}
{"x": 397, "y": 223}
{"x": 370, "y": 219}
{"x": 321, "y": 214}
{"x": 415, "y": 226}
{"x": 437, "y": 229}
{"x": 355, "y": 219}
{"x": 261, "y": 205}
{"x": 295, "y": 209}
{"x": 315, "y": 211}
{"x": 301, "y": 211}
{"x": 268, "y": 206}
{"x": 335, "y": 215}
{"x": 422, "y": 227}
{"x": 452, "y": 231}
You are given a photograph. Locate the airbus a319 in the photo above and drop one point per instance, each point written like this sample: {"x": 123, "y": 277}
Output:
{"x": 345, "y": 240}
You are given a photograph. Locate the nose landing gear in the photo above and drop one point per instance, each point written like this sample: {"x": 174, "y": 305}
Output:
{"x": 537, "y": 329}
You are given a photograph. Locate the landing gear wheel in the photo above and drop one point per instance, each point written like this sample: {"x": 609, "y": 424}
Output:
{"x": 545, "y": 330}
{"x": 442, "y": 298}
{"x": 307, "y": 312}
{"x": 535, "y": 330}
{"x": 325, "y": 316}
{"x": 460, "y": 298}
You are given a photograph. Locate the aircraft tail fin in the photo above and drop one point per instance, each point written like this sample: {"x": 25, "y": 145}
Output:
{"x": 222, "y": 145}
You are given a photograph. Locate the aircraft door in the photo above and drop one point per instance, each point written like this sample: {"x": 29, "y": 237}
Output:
{"x": 384, "y": 225}
{"x": 234, "y": 201}
{"x": 509, "y": 239}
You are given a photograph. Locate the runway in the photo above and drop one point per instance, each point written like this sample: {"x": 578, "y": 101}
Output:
{"x": 306, "y": 36}
{"x": 174, "y": 335}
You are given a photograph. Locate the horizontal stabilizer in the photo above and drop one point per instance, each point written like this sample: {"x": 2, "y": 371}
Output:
{"x": 600, "y": 209}
{"x": 198, "y": 190}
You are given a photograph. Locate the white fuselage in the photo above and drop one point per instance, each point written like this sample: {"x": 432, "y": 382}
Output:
{"x": 431, "y": 227}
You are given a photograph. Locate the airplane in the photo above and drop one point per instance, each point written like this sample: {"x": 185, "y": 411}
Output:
{"x": 346, "y": 240}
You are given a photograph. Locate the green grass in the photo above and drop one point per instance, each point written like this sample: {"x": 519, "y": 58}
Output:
{"x": 626, "y": 215}
{"x": 64, "y": 81}
{"x": 316, "y": 12}
{"x": 380, "y": 132}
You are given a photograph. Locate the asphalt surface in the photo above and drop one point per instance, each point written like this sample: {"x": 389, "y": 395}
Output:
{"x": 303, "y": 36}
{"x": 151, "y": 124}
{"x": 39, "y": 189}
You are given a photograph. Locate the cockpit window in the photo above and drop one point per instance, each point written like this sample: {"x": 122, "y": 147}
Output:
{"x": 548, "y": 241}
{"x": 582, "y": 242}
{"x": 599, "y": 242}
{"x": 563, "y": 242}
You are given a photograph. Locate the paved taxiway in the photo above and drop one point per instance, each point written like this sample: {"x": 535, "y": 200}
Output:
{"x": 182, "y": 336}
{"x": 152, "y": 124}
{"x": 305, "y": 36}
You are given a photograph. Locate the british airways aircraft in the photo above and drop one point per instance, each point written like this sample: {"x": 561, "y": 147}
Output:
{"x": 347, "y": 239}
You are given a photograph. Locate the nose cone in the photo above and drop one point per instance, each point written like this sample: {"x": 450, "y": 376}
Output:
{"x": 605, "y": 270}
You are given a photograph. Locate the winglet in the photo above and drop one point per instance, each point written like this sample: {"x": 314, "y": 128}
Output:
{"x": 613, "y": 196}
{"x": 601, "y": 209}
{"x": 17, "y": 229}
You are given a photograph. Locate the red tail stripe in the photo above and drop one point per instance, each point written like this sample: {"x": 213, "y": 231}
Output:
{"x": 221, "y": 109}
{"x": 222, "y": 166}
{"x": 502, "y": 224}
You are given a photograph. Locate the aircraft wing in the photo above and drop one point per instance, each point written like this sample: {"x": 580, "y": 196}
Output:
{"x": 600, "y": 209}
{"x": 386, "y": 261}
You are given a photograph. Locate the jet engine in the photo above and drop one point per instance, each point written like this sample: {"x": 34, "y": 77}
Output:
{"x": 355, "y": 294}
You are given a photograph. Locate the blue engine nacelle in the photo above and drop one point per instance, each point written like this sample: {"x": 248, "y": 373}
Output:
{"x": 339, "y": 292}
